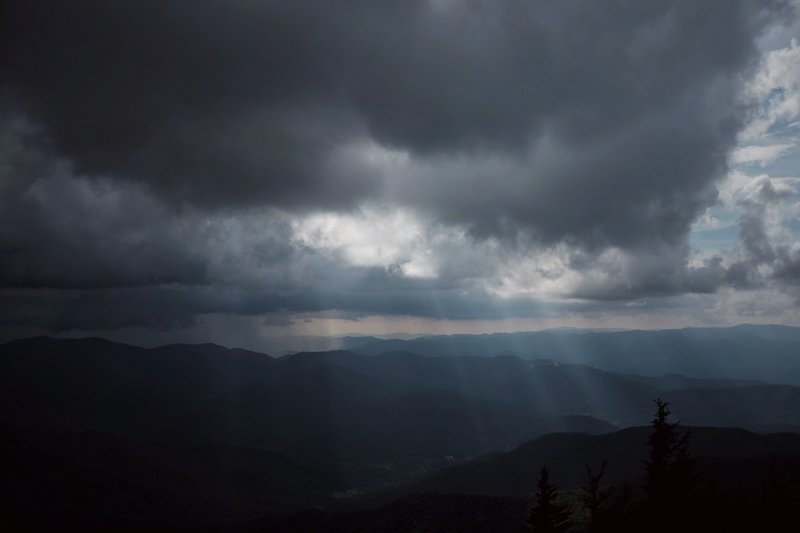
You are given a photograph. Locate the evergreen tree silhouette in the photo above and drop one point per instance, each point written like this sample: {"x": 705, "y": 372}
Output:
{"x": 671, "y": 478}
{"x": 596, "y": 499}
{"x": 547, "y": 515}
{"x": 662, "y": 442}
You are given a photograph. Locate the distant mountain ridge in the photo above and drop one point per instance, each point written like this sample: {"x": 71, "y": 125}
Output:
{"x": 767, "y": 353}
{"x": 183, "y": 379}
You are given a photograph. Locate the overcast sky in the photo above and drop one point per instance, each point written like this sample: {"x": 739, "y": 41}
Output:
{"x": 202, "y": 170}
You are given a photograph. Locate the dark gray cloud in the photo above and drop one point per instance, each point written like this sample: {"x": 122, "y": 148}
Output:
{"x": 157, "y": 151}
{"x": 652, "y": 271}
{"x": 246, "y": 102}
{"x": 787, "y": 266}
{"x": 759, "y": 251}
{"x": 170, "y": 307}
{"x": 763, "y": 260}
{"x": 634, "y": 109}
{"x": 208, "y": 103}
{"x": 57, "y": 231}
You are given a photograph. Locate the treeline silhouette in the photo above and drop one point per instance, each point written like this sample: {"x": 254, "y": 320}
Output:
{"x": 675, "y": 495}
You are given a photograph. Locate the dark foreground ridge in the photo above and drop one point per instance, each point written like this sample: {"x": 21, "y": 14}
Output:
{"x": 104, "y": 435}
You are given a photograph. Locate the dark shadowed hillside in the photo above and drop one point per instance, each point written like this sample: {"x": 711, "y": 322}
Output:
{"x": 566, "y": 454}
{"x": 157, "y": 432}
{"x": 423, "y": 513}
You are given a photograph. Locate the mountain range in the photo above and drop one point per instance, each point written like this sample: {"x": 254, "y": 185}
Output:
{"x": 193, "y": 435}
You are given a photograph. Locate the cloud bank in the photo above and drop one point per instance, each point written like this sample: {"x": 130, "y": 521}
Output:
{"x": 167, "y": 159}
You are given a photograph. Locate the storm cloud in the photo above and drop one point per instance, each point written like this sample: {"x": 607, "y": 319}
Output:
{"x": 178, "y": 155}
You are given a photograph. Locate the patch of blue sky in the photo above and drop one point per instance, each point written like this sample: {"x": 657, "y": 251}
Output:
{"x": 722, "y": 236}
{"x": 787, "y": 165}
